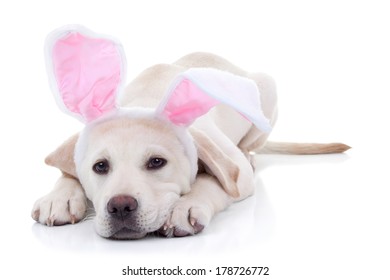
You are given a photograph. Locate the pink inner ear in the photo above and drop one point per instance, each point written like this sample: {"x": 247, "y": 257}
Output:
{"x": 195, "y": 91}
{"x": 88, "y": 74}
{"x": 187, "y": 102}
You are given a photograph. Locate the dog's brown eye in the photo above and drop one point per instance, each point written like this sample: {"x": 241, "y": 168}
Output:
{"x": 156, "y": 163}
{"x": 101, "y": 167}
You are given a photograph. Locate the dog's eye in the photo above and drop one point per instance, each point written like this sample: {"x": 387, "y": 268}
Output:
{"x": 101, "y": 167}
{"x": 155, "y": 163}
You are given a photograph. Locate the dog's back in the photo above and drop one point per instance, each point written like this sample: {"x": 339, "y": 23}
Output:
{"x": 149, "y": 87}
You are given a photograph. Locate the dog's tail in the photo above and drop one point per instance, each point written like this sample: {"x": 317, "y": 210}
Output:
{"x": 302, "y": 148}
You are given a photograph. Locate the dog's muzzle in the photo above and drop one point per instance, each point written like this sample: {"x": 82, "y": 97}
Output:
{"x": 122, "y": 210}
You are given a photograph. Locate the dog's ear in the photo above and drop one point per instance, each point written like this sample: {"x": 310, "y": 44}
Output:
{"x": 86, "y": 71}
{"x": 63, "y": 157}
{"x": 194, "y": 92}
{"x": 217, "y": 163}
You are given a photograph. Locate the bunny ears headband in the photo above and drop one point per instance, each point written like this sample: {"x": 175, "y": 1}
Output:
{"x": 87, "y": 72}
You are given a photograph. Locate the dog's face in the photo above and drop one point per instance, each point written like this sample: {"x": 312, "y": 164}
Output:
{"x": 133, "y": 171}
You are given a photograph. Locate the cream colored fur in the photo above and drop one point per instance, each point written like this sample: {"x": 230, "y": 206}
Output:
{"x": 166, "y": 199}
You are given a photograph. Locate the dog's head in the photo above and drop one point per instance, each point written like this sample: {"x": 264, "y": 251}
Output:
{"x": 133, "y": 170}
{"x": 135, "y": 163}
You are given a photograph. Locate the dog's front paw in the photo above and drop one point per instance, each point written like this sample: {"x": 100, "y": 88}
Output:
{"x": 66, "y": 204}
{"x": 187, "y": 218}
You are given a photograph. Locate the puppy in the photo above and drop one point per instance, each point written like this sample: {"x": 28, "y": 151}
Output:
{"x": 170, "y": 153}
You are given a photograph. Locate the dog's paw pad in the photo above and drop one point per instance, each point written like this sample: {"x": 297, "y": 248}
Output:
{"x": 180, "y": 232}
{"x": 196, "y": 225}
{"x": 196, "y": 228}
{"x": 175, "y": 231}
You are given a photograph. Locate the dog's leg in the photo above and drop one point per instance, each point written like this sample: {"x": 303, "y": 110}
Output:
{"x": 65, "y": 204}
{"x": 193, "y": 212}
{"x": 214, "y": 190}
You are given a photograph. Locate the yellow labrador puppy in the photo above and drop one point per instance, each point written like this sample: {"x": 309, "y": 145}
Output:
{"x": 165, "y": 154}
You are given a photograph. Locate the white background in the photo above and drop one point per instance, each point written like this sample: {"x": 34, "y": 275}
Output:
{"x": 314, "y": 217}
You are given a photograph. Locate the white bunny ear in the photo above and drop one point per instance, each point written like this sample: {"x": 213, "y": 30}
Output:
{"x": 194, "y": 92}
{"x": 86, "y": 71}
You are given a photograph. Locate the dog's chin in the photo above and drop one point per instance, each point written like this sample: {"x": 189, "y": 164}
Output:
{"x": 127, "y": 234}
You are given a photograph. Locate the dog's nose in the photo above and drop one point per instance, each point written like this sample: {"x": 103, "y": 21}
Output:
{"x": 121, "y": 206}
